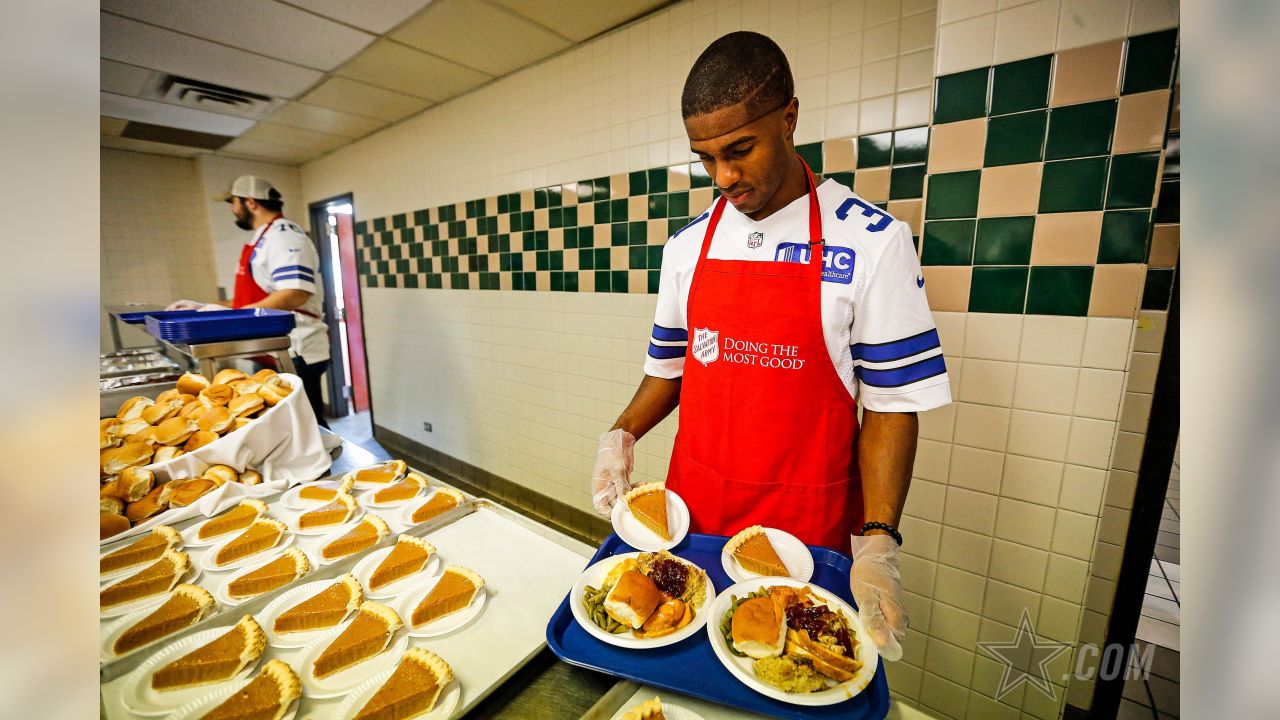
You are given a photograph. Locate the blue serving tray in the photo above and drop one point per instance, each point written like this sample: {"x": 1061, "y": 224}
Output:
{"x": 193, "y": 327}
{"x": 691, "y": 666}
{"x": 140, "y": 317}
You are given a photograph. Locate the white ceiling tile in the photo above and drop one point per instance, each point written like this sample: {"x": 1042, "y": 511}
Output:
{"x": 401, "y": 68}
{"x": 270, "y": 152}
{"x": 265, "y": 132}
{"x": 146, "y": 146}
{"x": 122, "y": 79}
{"x": 582, "y": 19}
{"x": 157, "y": 113}
{"x": 376, "y": 17}
{"x": 268, "y": 28}
{"x": 481, "y": 36}
{"x": 110, "y": 125}
{"x": 135, "y": 43}
{"x": 314, "y": 117}
{"x": 358, "y": 98}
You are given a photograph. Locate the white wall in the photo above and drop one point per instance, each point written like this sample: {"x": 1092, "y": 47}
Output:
{"x": 155, "y": 243}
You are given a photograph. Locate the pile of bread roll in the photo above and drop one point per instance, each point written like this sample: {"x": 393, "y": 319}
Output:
{"x": 133, "y": 495}
{"x": 184, "y": 418}
{"x": 189, "y": 416}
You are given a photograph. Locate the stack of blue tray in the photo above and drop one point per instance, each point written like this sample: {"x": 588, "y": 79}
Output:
{"x": 691, "y": 666}
{"x": 193, "y": 327}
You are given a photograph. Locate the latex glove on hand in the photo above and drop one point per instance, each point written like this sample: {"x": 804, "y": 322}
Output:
{"x": 611, "y": 477}
{"x": 876, "y": 583}
{"x": 207, "y": 307}
{"x": 184, "y": 305}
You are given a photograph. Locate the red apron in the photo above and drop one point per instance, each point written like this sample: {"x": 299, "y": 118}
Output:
{"x": 247, "y": 290}
{"x": 767, "y": 428}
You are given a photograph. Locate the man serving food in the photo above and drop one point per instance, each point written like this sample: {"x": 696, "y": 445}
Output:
{"x": 780, "y": 309}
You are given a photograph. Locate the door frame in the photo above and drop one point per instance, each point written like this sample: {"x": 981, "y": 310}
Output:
{"x": 337, "y": 375}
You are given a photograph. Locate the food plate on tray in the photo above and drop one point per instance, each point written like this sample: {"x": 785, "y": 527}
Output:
{"x": 766, "y": 552}
{"x": 371, "y": 563}
{"x": 291, "y": 598}
{"x": 270, "y": 670}
{"x": 188, "y": 576}
{"x": 294, "y": 498}
{"x": 803, "y": 648}
{"x": 651, "y": 518}
{"x": 267, "y": 576}
{"x": 668, "y": 596}
{"x": 445, "y": 702}
{"x": 208, "y": 561}
{"x": 342, "y": 681}
{"x": 141, "y": 699}
{"x": 443, "y": 604}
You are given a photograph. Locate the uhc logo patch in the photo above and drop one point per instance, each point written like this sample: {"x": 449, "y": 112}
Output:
{"x": 837, "y": 262}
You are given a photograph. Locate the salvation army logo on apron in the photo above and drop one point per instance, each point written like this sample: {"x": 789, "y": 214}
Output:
{"x": 705, "y": 345}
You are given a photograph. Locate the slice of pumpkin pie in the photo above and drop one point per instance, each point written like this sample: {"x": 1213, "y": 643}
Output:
{"x": 754, "y": 553}
{"x": 217, "y": 660}
{"x": 367, "y": 635}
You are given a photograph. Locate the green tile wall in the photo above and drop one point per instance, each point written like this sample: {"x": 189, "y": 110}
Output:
{"x": 460, "y": 246}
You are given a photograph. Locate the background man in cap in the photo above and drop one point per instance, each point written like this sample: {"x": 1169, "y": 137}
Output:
{"x": 279, "y": 269}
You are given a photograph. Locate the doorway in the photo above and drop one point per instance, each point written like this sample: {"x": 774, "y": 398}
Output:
{"x": 333, "y": 224}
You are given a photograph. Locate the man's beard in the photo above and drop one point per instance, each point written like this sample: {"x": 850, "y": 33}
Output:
{"x": 245, "y": 222}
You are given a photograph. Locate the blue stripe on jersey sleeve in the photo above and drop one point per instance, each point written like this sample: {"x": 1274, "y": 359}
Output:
{"x": 294, "y": 276}
{"x": 666, "y": 334}
{"x": 696, "y": 220}
{"x": 289, "y": 268}
{"x": 666, "y": 352}
{"x": 905, "y": 375}
{"x": 896, "y": 350}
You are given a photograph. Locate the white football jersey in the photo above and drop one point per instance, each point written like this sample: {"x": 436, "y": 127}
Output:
{"x": 876, "y": 322}
{"x": 286, "y": 259}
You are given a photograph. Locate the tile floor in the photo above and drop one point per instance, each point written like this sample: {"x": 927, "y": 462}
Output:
{"x": 358, "y": 428}
{"x": 1157, "y": 696}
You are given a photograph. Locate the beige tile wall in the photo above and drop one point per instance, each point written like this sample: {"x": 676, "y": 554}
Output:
{"x": 154, "y": 245}
{"x": 1014, "y": 484}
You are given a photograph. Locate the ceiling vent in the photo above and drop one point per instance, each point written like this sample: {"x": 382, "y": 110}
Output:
{"x": 213, "y": 98}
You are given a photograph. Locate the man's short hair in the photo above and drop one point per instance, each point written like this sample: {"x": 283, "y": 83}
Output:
{"x": 741, "y": 67}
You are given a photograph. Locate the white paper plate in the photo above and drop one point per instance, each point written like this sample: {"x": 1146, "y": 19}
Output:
{"x": 334, "y": 534}
{"x": 140, "y": 699}
{"x": 640, "y": 537}
{"x": 193, "y": 572}
{"x": 206, "y": 560}
{"x": 113, "y": 632}
{"x": 364, "y": 570}
{"x": 446, "y": 624}
{"x": 291, "y": 520}
{"x": 223, "y": 596}
{"x": 595, "y": 575}
{"x": 197, "y": 708}
{"x": 288, "y": 599}
{"x": 291, "y": 499}
{"x": 669, "y": 711}
{"x": 445, "y": 703}
{"x": 343, "y": 680}
{"x": 794, "y": 554}
{"x": 740, "y": 667}
{"x": 191, "y": 537}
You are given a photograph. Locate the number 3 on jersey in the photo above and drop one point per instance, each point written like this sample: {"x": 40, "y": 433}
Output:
{"x": 882, "y": 219}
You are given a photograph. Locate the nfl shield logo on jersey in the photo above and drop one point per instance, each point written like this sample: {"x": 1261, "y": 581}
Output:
{"x": 755, "y": 240}
{"x": 706, "y": 345}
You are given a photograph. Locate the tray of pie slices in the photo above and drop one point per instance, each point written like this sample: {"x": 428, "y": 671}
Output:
{"x": 693, "y": 665}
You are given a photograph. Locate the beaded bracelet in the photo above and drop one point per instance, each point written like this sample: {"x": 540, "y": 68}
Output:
{"x": 893, "y": 531}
